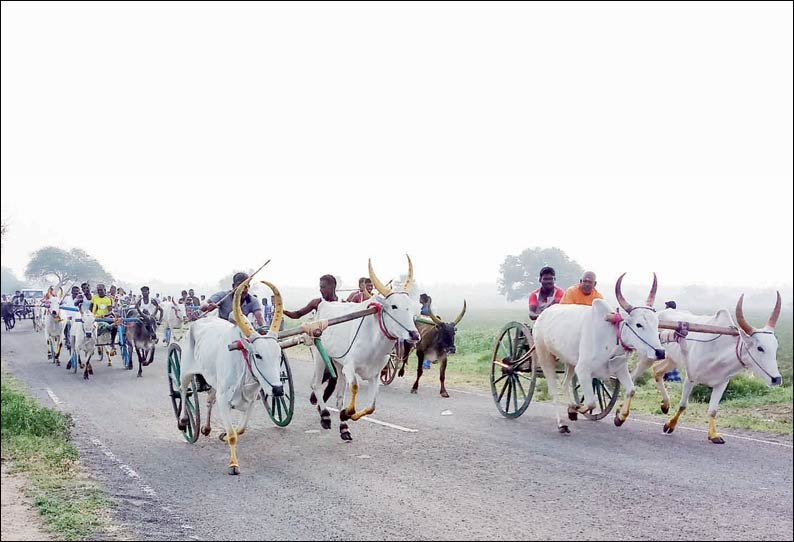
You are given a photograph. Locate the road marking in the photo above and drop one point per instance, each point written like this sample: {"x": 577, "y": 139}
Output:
{"x": 385, "y": 424}
{"x": 762, "y": 441}
{"x": 126, "y": 469}
{"x": 54, "y": 397}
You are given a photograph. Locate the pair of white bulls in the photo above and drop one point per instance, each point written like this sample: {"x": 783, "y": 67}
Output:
{"x": 593, "y": 342}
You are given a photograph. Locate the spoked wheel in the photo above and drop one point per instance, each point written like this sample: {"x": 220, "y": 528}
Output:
{"x": 606, "y": 393}
{"x": 191, "y": 432}
{"x": 513, "y": 373}
{"x": 126, "y": 355}
{"x": 280, "y": 409}
{"x": 388, "y": 373}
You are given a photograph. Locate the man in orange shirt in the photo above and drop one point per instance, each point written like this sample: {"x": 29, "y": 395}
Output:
{"x": 583, "y": 293}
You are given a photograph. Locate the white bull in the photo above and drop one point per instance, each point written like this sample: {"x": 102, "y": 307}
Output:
{"x": 173, "y": 317}
{"x": 712, "y": 360}
{"x": 236, "y": 376}
{"x": 359, "y": 348}
{"x": 53, "y": 325}
{"x": 84, "y": 339}
{"x": 593, "y": 342}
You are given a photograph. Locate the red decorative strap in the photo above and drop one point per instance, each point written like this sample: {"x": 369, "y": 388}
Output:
{"x": 379, "y": 314}
{"x": 616, "y": 322}
{"x": 244, "y": 350}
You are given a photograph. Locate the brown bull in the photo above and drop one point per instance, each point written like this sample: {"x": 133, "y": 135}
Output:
{"x": 438, "y": 341}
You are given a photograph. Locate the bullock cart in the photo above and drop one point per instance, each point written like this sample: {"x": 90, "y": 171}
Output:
{"x": 280, "y": 409}
{"x": 514, "y": 373}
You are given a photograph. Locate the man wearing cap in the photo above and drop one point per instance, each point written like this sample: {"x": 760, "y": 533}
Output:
{"x": 223, "y": 302}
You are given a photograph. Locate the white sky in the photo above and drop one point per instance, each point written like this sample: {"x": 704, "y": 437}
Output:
{"x": 184, "y": 141}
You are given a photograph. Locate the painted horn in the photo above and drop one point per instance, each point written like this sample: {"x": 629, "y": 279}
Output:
{"x": 241, "y": 321}
{"x": 410, "y": 278}
{"x": 278, "y": 311}
{"x": 772, "y": 322}
{"x": 376, "y": 281}
{"x": 746, "y": 327}
{"x": 652, "y": 295}
{"x": 457, "y": 320}
{"x": 619, "y": 295}
{"x": 438, "y": 321}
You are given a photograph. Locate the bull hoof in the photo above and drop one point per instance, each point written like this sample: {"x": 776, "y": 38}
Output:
{"x": 346, "y": 436}
{"x": 717, "y": 440}
{"x": 401, "y": 373}
{"x": 665, "y": 408}
{"x": 667, "y": 428}
{"x": 57, "y": 363}
{"x": 343, "y": 415}
{"x": 573, "y": 415}
{"x": 313, "y": 399}
{"x": 413, "y": 390}
{"x": 445, "y": 394}
{"x": 618, "y": 421}
{"x": 325, "y": 423}
{"x": 563, "y": 429}
{"x": 140, "y": 374}
{"x": 205, "y": 430}
{"x": 234, "y": 471}
{"x": 85, "y": 376}
{"x": 222, "y": 437}
{"x": 181, "y": 424}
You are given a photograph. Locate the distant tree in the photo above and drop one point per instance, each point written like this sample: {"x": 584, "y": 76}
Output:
{"x": 73, "y": 266}
{"x": 518, "y": 275}
{"x": 10, "y": 283}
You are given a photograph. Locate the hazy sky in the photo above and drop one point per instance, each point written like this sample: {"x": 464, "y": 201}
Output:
{"x": 183, "y": 141}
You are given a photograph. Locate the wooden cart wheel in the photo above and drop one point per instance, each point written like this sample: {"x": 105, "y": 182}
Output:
{"x": 513, "y": 373}
{"x": 192, "y": 431}
{"x": 280, "y": 409}
{"x": 388, "y": 373}
{"x": 606, "y": 396}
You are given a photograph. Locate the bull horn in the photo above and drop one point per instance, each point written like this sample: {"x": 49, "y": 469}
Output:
{"x": 410, "y": 278}
{"x": 652, "y": 295}
{"x": 239, "y": 318}
{"x": 619, "y": 295}
{"x": 49, "y": 293}
{"x": 457, "y": 320}
{"x": 278, "y": 312}
{"x": 438, "y": 321}
{"x": 376, "y": 281}
{"x": 366, "y": 293}
{"x": 746, "y": 327}
{"x": 60, "y": 289}
{"x": 772, "y": 322}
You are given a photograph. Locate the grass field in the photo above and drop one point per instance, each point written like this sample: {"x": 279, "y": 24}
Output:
{"x": 747, "y": 404}
{"x": 35, "y": 440}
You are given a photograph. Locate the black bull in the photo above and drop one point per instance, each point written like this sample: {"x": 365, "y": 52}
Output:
{"x": 438, "y": 341}
{"x": 143, "y": 336}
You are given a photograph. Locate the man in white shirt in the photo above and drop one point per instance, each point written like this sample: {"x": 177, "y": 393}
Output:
{"x": 70, "y": 316}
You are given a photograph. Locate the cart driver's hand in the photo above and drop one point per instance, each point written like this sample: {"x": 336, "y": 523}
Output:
{"x": 210, "y": 307}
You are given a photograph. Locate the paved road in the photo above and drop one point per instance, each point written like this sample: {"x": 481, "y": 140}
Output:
{"x": 469, "y": 475}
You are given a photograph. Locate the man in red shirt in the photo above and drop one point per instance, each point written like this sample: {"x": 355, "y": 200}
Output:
{"x": 547, "y": 295}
